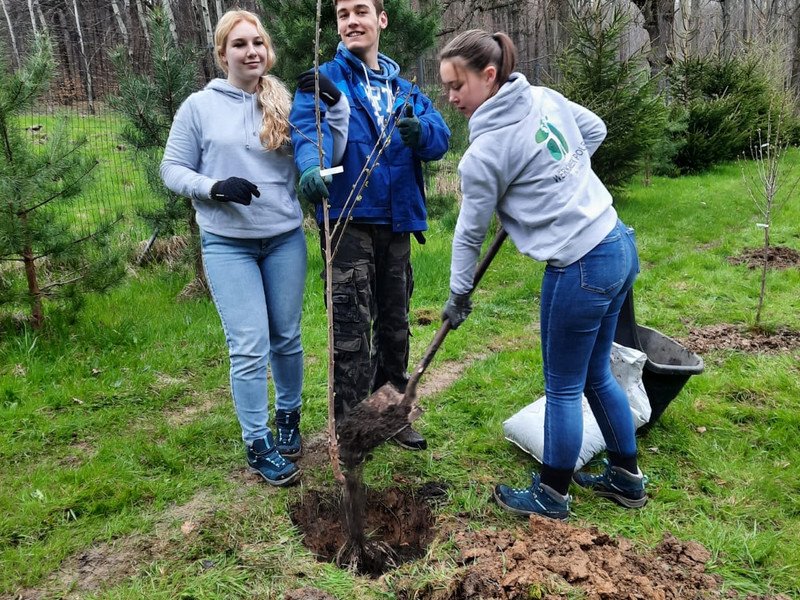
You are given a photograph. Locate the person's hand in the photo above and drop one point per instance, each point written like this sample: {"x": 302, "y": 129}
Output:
{"x": 328, "y": 91}
{"x": 457, "y": 309}
{"x": 234, "y": 189}
{"x": 314, "y": 187}
{"x": 410, "y": 129}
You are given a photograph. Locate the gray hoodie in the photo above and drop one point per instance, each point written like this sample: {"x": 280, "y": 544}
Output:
{"x": 215, "y": 135}
{"x": 528, "y": 159}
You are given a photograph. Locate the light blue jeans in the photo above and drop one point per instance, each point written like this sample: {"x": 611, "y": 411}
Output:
{"x": 257, "y": 286}
{"x": 580, "y": 307}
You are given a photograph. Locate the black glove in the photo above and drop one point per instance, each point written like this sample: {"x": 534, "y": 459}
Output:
{"x": 314, "y": 187}
{"x": 457, "y": 309}
{"x": 328, "y": 91}
{"x": 410, "y": 129}
{"x": 234, "y": 189}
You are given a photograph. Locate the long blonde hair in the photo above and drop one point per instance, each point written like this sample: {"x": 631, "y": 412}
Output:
{"x": 273, "y": 96}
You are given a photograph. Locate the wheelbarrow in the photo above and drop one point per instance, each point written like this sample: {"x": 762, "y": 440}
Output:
{"x": 669, "y": 365}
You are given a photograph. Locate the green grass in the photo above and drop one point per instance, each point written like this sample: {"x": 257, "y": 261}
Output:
{"x": 110, "y": 425}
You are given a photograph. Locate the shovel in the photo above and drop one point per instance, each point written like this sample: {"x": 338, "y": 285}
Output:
{"x": 388, "y": 410}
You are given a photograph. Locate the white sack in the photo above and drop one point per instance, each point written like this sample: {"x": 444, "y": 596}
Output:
{"x": 526, "y": 428}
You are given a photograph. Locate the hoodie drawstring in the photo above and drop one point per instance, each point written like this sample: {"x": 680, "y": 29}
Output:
{"x": 249, "y": 131}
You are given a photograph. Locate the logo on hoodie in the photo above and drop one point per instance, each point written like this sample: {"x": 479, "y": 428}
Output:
{"x": 556, "y": 144}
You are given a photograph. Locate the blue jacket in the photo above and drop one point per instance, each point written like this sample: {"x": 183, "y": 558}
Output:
{"x": 395, "y": 190}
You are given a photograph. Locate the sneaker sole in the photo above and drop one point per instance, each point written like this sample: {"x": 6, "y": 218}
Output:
{"x": 278, "y": 482}
{"x": 618, "y": 498}
{"x": 410, "y": 446}
{"x": 292, "y": 455}
{"x": 622, "y": 500}
{"x": 526, "y": 513}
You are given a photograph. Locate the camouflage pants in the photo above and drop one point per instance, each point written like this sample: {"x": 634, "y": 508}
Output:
{"x": 372, "y": 286}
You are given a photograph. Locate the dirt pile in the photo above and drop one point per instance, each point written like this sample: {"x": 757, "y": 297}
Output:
{"x": 737, "y": 337}
{"x": 557, "y": 561}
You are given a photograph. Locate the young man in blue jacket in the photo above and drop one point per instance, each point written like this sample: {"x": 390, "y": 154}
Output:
{"x": 372, "y": 277}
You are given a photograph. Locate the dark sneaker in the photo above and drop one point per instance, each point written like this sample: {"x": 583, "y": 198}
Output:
{"x": 288, "y": 424}
{"x": 263, "y": 458}
{"x": 617, "y": 484}
{"x": 409, "y": 439}
{"x": 539, "y": 499}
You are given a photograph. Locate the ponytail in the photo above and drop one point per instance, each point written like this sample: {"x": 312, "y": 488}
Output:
{"x": 479, "y": 49}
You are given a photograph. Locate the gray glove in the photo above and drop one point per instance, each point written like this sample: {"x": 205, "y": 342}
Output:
{"x": 457, "y": 309}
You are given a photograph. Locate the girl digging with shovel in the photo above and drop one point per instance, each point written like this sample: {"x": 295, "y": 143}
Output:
{"x": 529, "y": 160}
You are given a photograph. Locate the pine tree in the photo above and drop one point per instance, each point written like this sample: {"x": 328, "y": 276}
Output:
{"x": 41, "y": 255}
{"x": 149, "y": 102}
{"x": 290, "y": 24}
{"x": 620, "y": 90}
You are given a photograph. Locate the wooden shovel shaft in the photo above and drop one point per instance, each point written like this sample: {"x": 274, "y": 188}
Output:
{"x": 491, "y": 252}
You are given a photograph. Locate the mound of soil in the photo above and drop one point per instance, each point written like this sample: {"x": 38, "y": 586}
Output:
{"x": 778, "y": 257}
{"x": 556, "y": 561}
{"x": 735, "y": 337}
{"x": 399, "y": 519}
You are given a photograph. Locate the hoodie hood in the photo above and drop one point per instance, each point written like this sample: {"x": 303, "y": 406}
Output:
{"x": 389, "y": 70}
{"x": 510, "y": 105}
{"x": 248, "y": 104}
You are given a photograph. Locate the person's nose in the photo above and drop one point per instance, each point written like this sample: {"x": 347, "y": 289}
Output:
{"x": 451, "y": 97}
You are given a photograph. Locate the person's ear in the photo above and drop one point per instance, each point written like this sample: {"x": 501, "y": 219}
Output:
{"x": 490, "y": 75}
{"x": 383, "y": 20}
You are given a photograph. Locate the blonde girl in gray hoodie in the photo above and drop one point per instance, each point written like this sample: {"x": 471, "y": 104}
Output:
{"x": 529, "y": 161}
{"x": 229, "y": 150}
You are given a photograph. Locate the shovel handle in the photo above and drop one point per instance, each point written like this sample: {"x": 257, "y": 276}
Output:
{"x": 445, "y": 328}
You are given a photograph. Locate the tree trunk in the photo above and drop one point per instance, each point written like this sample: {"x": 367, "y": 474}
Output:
{"x": 171, "y": 19}
{"x": 207, "y": 27}
{"x": 725, "y": 36}
{"x": 34, "y": 291}
{"x": 142, "y": 21}
{"x": 32, "y": 14}
{"x": 39, "y": 12}
{"x": 694, "y": 27}
{"x": 123, "y": 29}
{"x": 84, "y": 57}
{"x": 14, "y": 49}
{"x": 796, "y": 49}
{"x": 659, "y": 20}
{"x": 67, "y": 51}
{"x": 220, "y": 9}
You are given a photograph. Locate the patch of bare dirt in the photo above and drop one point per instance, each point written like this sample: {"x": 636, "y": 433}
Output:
{"x": 186, "y": 414}
{"x": 307, "y": 594}
{"x": 736, "y": 337}
{"x": 554, "y": 560}
{"x": 107, "y": 563}
{"x": 778, "y": 257}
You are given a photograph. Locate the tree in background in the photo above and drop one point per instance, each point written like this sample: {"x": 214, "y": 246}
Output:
{"x": 149, "y": 103}
{"x": 291, "y": 25}
{"x": 621, "y": 91}
{"x": 725, "y": 102}
{"x": 41, "y": 255}
{"x": 770, "y": 181}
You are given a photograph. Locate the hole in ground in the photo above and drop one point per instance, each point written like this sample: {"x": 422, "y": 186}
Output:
{"x": 396, "y": 518}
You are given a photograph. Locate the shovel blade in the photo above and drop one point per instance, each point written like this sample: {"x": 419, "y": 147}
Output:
{"x": 372, "y": 422}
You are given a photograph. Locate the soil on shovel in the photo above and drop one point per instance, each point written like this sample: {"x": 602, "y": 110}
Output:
{"x": 399, "y": 526}
{"x": 553, "y": 560}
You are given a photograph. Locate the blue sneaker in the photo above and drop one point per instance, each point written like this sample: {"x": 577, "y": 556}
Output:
{"x": 264, "y": 459}
{"x": 617, "y": 484}
{"x": 539, "y": 499}
{"x": 290, "y": 445}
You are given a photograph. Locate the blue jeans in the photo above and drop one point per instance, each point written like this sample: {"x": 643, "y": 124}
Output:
{"x": 257, "y": 286}
{"x": 580, "y": 307}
